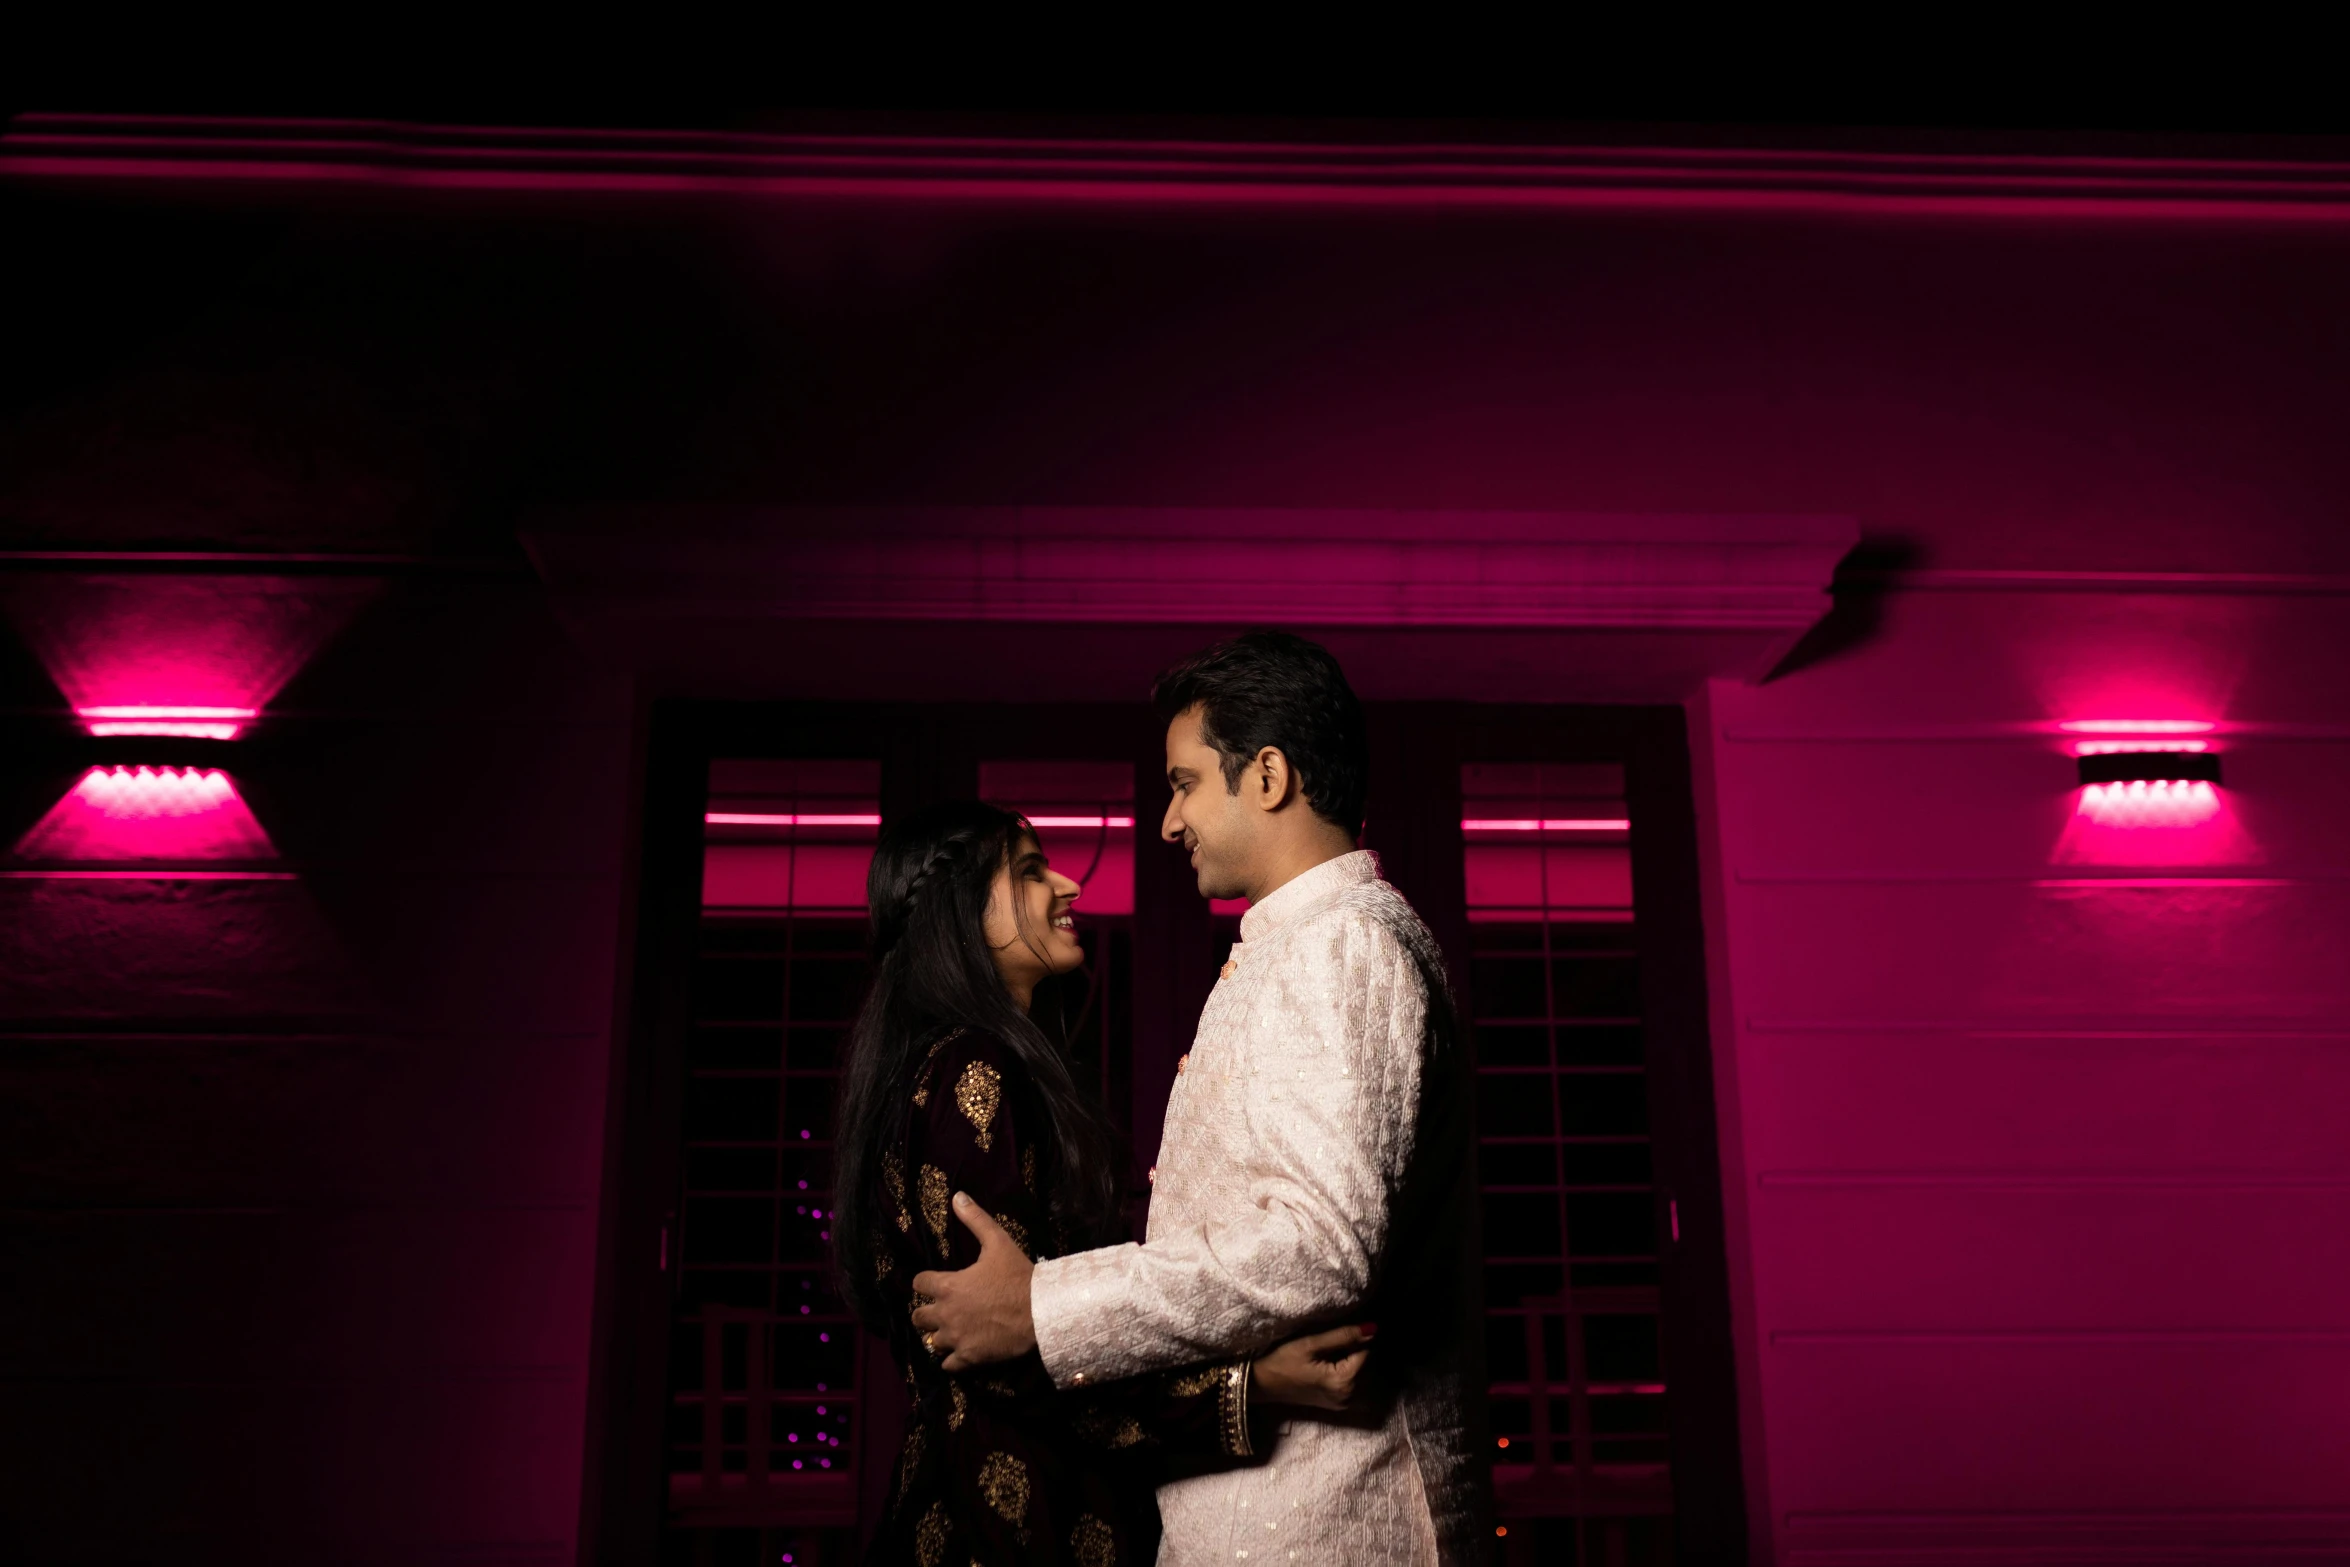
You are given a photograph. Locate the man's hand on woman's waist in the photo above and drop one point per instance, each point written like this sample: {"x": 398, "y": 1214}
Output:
{"x": 979, "y": 1315}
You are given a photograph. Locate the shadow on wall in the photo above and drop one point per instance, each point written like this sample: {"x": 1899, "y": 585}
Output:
{"x": 1857, "y": 608}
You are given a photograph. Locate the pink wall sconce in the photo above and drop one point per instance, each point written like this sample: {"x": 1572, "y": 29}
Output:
{"x": 2149, "y": 767}
{"x": 2146, "y": 772}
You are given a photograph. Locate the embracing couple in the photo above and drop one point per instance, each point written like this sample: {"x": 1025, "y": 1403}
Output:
{"x": 1281, "y": 1361}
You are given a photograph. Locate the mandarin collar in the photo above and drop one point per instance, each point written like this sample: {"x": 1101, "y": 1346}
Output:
{"x": 1302, "y": 892}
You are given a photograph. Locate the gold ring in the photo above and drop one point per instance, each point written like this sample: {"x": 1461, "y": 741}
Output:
{"x": 930, "y": 1341}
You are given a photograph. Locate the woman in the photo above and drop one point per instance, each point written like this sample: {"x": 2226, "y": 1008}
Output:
{"x": 951, "y": 1086}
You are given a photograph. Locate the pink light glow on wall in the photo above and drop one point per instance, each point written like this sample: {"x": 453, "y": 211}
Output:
{"x": 1546, "y": 824}
{"x": 223, "y": 644}
{"x": 144, "y": 813}
{"x": 2184, "y": 803}
{"x": 187, "y": 723}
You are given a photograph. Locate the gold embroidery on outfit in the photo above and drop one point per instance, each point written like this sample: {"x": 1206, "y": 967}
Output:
{"x": 930, "y": 1536}
{"x": 934, "y": 1203}
{"x": 957, "y": 1406}
{"x": 1109, "y": 1428}
{"x": 1091, "y": 1544}
{"x": 922, "y": 1078}
{"x": 882, "y": 1263}
{"x": 1019, "y": 1233}
{"x": 1028, "y": 1169}
{"x": 1003, "y": 1480}
{"x": 1192, "y": 1384}
{"x": 978, "y": 1095}
{"x": 893, "y": 1181}
{"x": 909, "y": 1459}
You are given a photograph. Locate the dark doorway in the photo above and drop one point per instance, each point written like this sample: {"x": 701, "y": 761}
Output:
{"x": 741, "y": 1414}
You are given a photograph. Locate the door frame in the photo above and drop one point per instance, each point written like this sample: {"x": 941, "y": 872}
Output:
{"x": 931, "y": 751}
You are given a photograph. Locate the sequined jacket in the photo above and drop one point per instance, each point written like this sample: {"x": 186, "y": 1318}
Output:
{"x": 998, "y": 1466}
{"x": 1314, "y": 1169}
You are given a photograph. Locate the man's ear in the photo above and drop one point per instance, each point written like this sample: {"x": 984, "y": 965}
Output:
{"x": 1274, "y": 779}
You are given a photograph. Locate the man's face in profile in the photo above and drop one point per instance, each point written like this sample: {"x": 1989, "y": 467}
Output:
{"x": 1217, "y": 825}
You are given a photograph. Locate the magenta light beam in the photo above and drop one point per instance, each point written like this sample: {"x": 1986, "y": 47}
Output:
{"x": 148, "y": 813}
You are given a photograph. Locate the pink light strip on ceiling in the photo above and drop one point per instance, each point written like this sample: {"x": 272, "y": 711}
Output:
{"x": 186, "y": 723}
{"x": 1080, "y": 821}
{"x": 1546, "y": 824}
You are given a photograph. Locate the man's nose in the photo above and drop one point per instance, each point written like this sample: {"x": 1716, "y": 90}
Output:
{"x": 1171, "y": 827}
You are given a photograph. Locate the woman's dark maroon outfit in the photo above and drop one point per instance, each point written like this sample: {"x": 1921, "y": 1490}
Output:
{"x": 1000, "y": 1467}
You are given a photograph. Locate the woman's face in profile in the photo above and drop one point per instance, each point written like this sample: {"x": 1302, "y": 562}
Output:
{"x": 1029, "y": 925}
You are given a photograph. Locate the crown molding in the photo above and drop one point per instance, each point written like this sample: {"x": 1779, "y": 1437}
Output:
{"x": 293, "y": 154}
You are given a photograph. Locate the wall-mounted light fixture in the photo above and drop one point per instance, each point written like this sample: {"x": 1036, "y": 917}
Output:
{"x": 2146, "y": 772}
{"x": 2149, "y": 767}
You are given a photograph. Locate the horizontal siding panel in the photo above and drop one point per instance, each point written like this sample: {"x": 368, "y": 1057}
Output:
{"x": 2005, "y": 951}
{"x": 2002, "y": 806}
{"x": 2070, "y": 1423}
{"x": 102, "y": 951}
{"x": 451, "y": 648}
{"x": 307, "y": 1121}
{"x": 1949, "y": 1100}
{"x": 431, "y": 1468}
{"x": 1972, "y": 1259}
{"x": 459, "y": 795}
{"x": 481, "y": 952}
{"x": 356, "y": 1294}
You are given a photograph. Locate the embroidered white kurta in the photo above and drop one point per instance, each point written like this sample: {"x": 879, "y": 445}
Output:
{"x": 1289, "y": 1136}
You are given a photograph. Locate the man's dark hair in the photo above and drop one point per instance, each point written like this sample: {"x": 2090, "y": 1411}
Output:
{"x": 1269, "y": 688}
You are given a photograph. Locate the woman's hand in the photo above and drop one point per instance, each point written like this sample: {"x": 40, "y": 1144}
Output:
{"x": 1318, "y": 1371}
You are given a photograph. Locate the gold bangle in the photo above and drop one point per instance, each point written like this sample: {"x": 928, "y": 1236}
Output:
{"x": 1232, "y": 1402}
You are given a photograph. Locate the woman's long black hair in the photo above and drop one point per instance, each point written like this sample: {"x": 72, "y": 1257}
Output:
{"x": 927, "y": 895}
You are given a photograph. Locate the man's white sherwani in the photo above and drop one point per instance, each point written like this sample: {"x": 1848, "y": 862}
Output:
{"x": 1301, "y": 1179}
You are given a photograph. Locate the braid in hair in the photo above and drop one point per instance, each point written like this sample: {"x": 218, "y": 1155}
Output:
{"x": 938, "y": 857}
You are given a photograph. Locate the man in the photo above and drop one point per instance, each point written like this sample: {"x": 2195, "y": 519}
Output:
{"x": 1314, "y": 1164}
